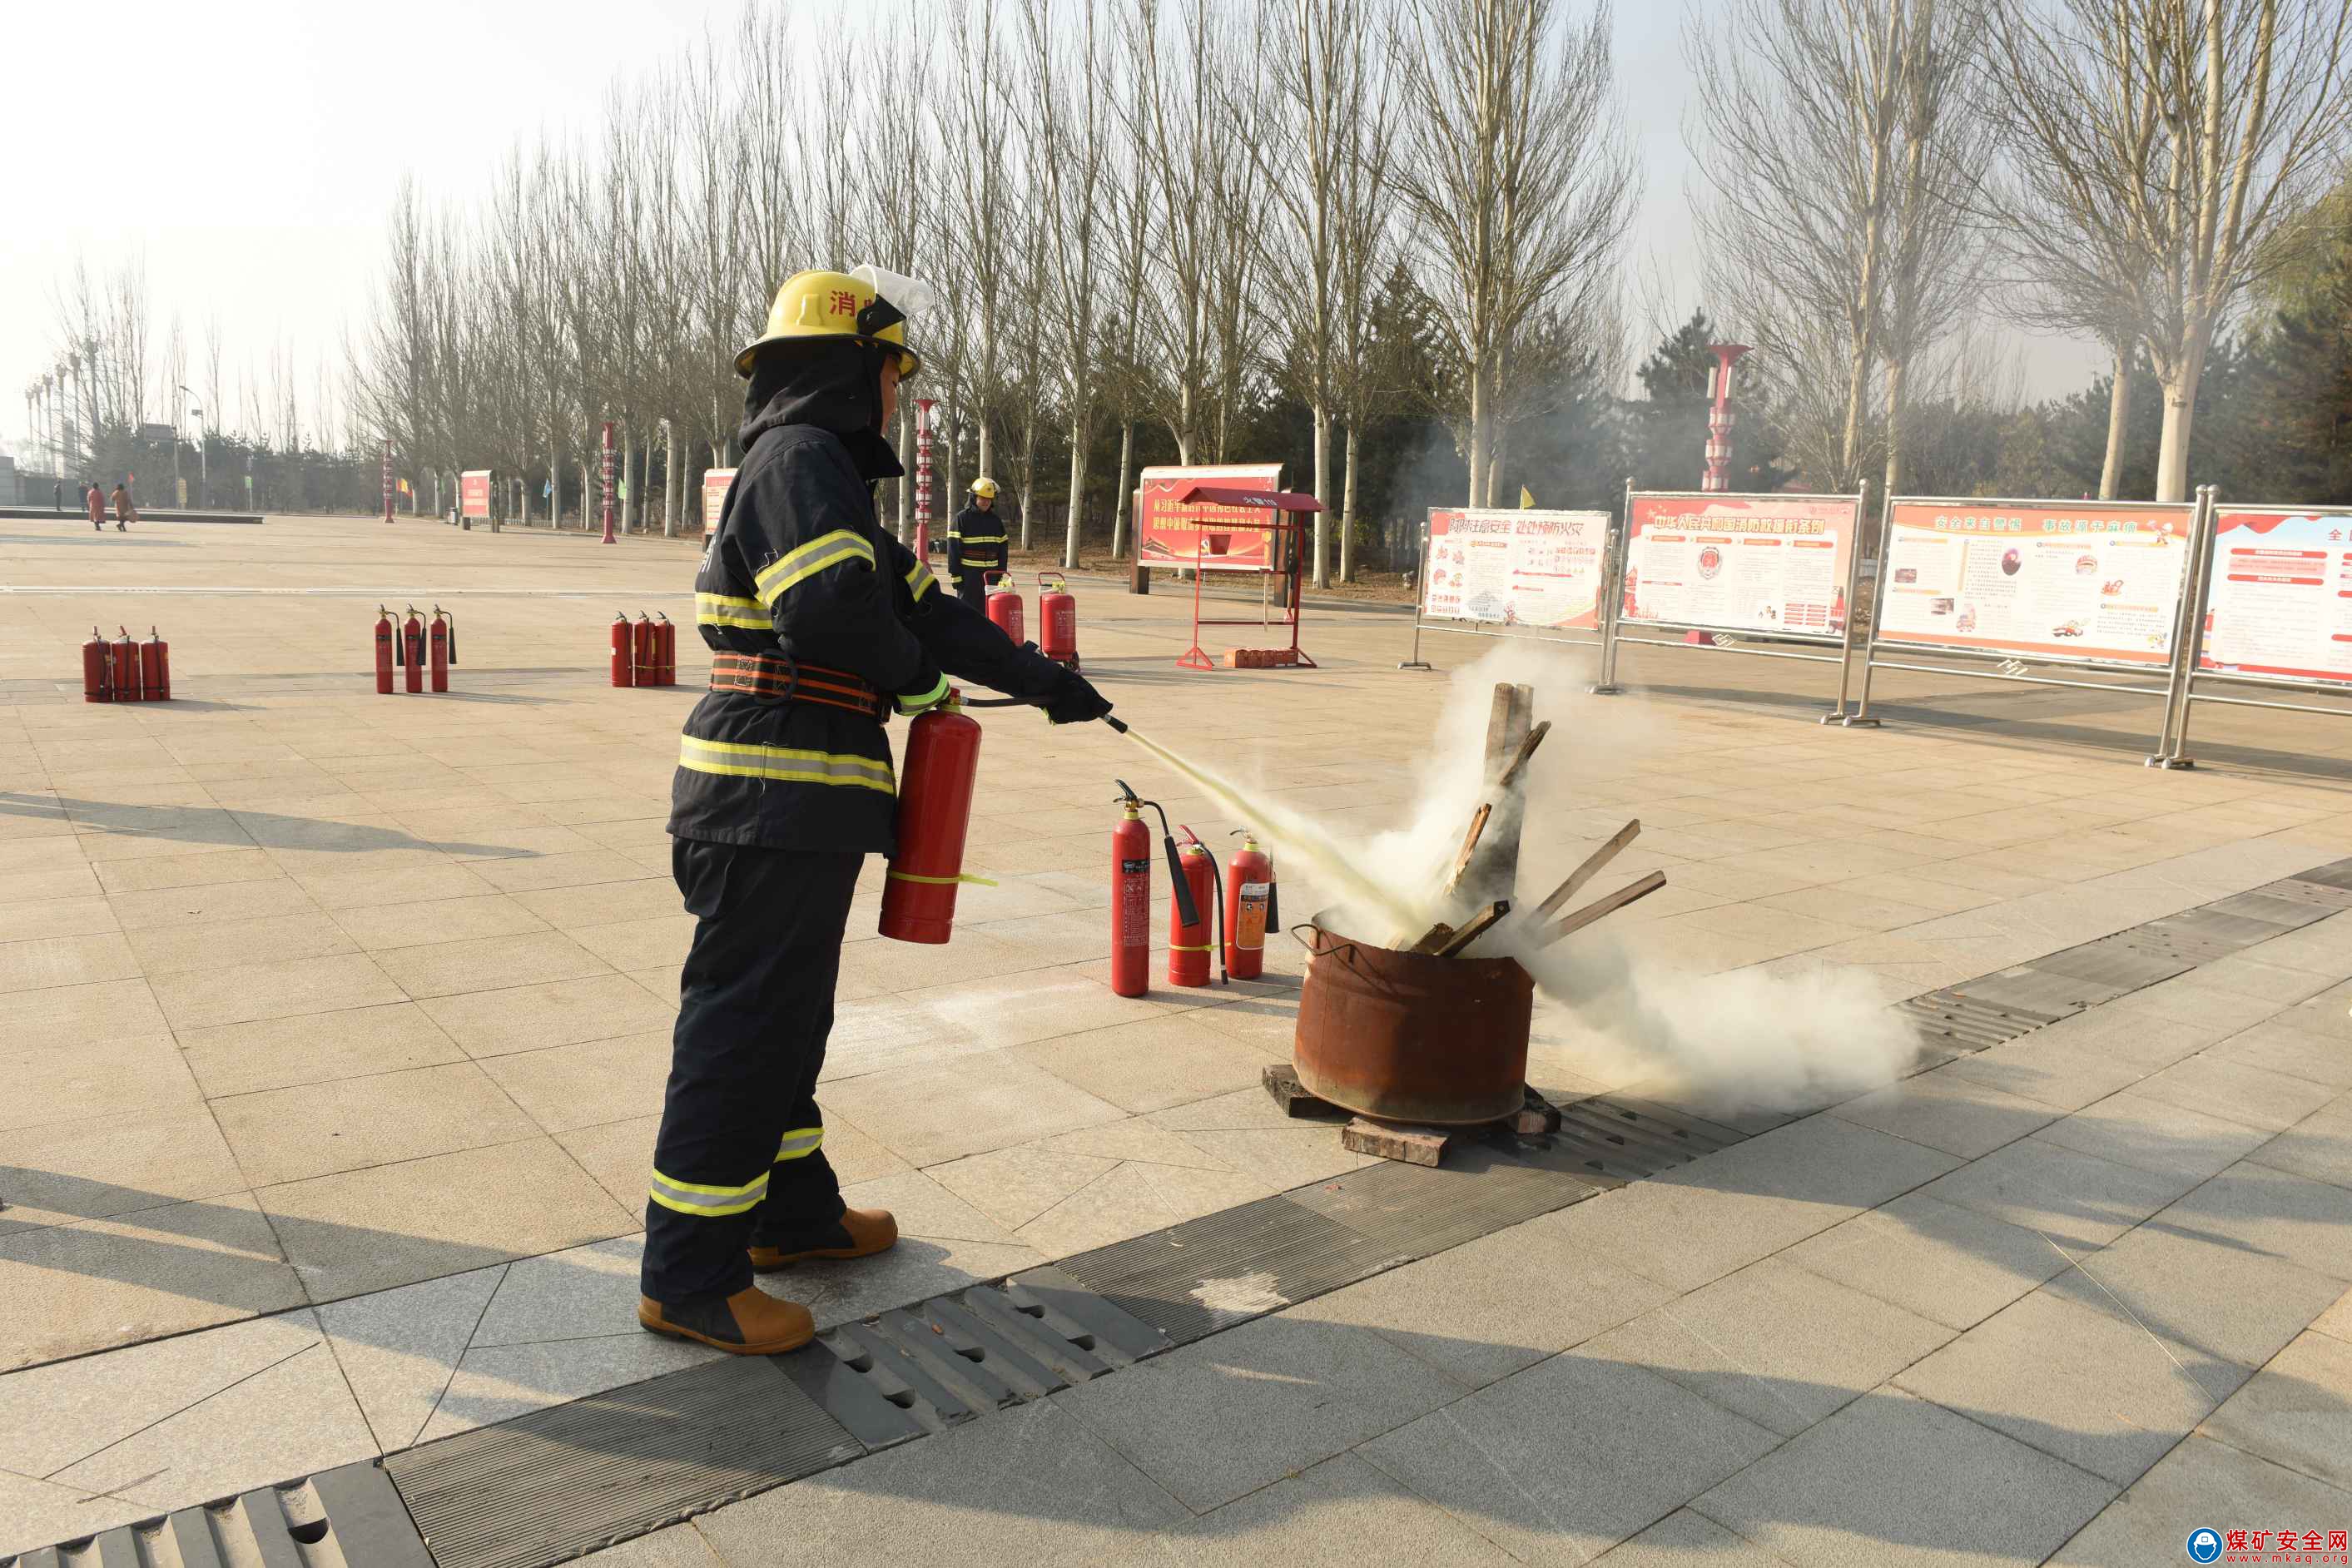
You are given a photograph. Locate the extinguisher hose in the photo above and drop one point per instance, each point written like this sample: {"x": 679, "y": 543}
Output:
{"x": 1217, "y": 932}
{"x": 453, "y": 631}
{"x": 1026, "y": 702}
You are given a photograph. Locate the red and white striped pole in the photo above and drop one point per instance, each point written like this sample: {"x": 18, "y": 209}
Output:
{"x": 608, "y": 481}
{"x": 923, "y": 407}
{"x": 1718, "y": 418}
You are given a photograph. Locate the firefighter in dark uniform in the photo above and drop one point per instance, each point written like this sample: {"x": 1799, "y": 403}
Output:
{"x": 976, "y": 545}
{"x": 820, "y": 624}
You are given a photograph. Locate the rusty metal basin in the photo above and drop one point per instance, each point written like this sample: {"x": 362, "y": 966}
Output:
{"x": 1408, "y": 1037}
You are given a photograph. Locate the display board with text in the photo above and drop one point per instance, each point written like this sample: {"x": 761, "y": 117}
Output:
{"x": 1516, "y": 568}
{"x": 1217, "y": 538}
{"x": 2278, "y": 601}
{"x": 2094, "y": 582}
{"x": 714, "y": 497}
{"x": 474, "y": 493}
{"x": 1764, "y": 565}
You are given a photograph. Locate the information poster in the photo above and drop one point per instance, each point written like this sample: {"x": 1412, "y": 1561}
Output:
{"x": 2280, "y": 599}
{"x": 1217, "y": 538}
{"x": 1775, "y": 565}
{"x": 474, "y": 493}
{"x": 2098, "y": 581}
{"x": 1516, "y": 568}
{"x": 714, "y": 497}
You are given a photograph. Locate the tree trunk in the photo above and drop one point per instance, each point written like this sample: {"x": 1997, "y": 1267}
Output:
{"x": 628, "y": 478}
{"x": 2179, "y": 411}
{"x": 1856, "y": 391}
{"x": 944, "y": 443}
{"x": 1893, "y": 428}
{"x": 1348, "y": 513}
{"x": 907, "y": 461}
{"x": 1077, "y": 494}
{"x": 2111, "y": 472}
{"x": 987, "y": 451}
{"x": 1120, "y": 500}
{"x": 1476, "y": 456}
{"x": 1323, "y": 494}
{"x": 1028, "y": 469}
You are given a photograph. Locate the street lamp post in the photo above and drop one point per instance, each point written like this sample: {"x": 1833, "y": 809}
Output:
{"x": 203, "y": 457}
{"x": 1718, "y": 418}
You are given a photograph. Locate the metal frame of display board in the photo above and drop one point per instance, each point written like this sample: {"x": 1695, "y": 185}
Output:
{"x": 1571, "y": 639}
{"x": 1612, "y": 630}
{"x": 2199, "y": 524}
{"x": 2171, "y": 744}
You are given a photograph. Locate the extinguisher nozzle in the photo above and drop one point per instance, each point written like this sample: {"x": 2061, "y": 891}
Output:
{"x": 1114, "y": 724}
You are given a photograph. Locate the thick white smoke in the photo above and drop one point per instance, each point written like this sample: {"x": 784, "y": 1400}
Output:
{"x": 1745, "y": 1038}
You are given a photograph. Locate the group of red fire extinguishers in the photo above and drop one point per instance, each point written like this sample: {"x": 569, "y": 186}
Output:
{"x": 126, "y": 670}
{"x": 404, "y": 640}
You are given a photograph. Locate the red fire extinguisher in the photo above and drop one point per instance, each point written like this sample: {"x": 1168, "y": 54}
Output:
{"x": 445, "y": 646}
{"x": 412, "y": 651}
{"x": 623, "y": 673}
{"x": 126, "y": 666}
{"x": 1057, "y": 620}
{"x": 641, "y": 651}
{"x": 1130, "y": 901}
{"x": 665, "y": 651}
{"x": 155, "y": 667}
{"x": 97, "y": 674}
{"x": 384, "y": 637}
{"x": 1188, "y": 934}
{"x": 935, "y": 784}
{"x": 1004, "y": 606}
{"x": 1249, "y": 908}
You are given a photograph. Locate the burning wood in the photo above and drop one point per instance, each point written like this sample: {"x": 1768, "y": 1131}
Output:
{"x": 1570, "y": 925}
{"x": 1477, "y": 925}
{"x": 1592, "y": 864}
{"x": 1469, "y": 845}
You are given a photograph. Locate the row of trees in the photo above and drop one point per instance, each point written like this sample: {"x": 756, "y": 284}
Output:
{"x": 1140, "y": 213}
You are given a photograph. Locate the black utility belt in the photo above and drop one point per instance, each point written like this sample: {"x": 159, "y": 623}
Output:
{"x": 777, "y": 677}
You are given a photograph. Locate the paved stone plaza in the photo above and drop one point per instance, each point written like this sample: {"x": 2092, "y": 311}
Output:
{"x": 337, "y": 1025}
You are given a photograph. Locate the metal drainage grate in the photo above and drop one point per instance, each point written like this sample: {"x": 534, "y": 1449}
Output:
{"x": 2228, "y": 930}
{"x": 2027, "y": 988}
{"x": 557, "y": 1483}
{"x": 2335, "y": 874}
{"x": 2290, "y": 914}
{"x": 920, "y": 1369}
{"x": 1211, "y": 1273}
{"x": 2110, "y": 961}
{"x": 2303, "y": 890}
{"x": 349, "y": 1515}
{"x": 1417, "y": 1211}
{"x": 1633, "y": 1139}
{"x": 1954, "y": 1022}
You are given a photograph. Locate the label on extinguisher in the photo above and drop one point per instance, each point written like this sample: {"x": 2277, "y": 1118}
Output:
{"x": 1250, "y": 926}
{"x": 1134, "y": 925}
{"x": 1134, "y": 867}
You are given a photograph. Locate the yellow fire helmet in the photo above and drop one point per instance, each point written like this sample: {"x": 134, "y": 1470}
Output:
{"x": 835, "y": 305}
{"x": 984, "y": 487}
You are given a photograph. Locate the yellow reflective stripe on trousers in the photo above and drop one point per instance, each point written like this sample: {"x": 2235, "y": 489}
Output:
{"x": 921, "y": 581}
{"x": 738, "y": 760}
{"x": 725, "y": 610}
{"x": 706, "y": 1201}
{"x": 798, "y": 1142}
{"x": 797, "y": 565}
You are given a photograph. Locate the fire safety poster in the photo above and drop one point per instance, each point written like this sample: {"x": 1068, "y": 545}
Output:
{"x": 1516, "y": 568}
{"x": 714, "y": 497}
{"x": 1775, "y": 565}
{"x": 2280, "y": 602}
{"x": 2098, "y": 581}
{"x": 1216, "y": 538}
{"x": 474, "y": 493}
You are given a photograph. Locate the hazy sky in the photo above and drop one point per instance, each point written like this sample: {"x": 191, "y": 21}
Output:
{"x": 251, "y": 161}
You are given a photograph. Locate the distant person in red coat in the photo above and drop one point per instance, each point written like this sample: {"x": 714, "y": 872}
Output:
{"x": 124, "y": 512}
{"x": 96, "y": 499}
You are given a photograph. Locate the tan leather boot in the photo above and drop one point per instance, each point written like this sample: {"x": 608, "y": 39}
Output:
{"x": 748, "y": 1322}
{"x": 858, "y": 1233}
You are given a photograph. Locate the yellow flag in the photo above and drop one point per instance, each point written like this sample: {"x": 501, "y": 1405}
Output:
{"x": 1527, "y": 498}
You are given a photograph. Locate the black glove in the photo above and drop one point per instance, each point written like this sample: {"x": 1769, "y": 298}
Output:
{"x": 1074, "y": 701}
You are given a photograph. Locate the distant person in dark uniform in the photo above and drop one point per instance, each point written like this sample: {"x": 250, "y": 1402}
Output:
{"x": 976, "y": 545}
{"x": 60, "y": 495}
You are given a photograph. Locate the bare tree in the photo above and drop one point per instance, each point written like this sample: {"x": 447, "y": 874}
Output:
{"x": 1518, "y": 176}
{"x": 2193, "y": 135}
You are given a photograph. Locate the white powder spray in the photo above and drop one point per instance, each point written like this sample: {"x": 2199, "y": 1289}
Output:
{"x": 1741, "y": 1039}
